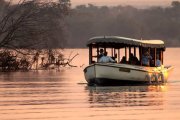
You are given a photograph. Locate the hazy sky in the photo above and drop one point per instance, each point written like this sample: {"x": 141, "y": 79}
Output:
{"x": 137, "y": 3}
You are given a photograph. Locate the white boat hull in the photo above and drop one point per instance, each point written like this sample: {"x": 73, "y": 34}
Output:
{"x": 113, "y": 73}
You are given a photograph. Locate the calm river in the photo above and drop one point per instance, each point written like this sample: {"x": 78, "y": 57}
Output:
{"x": 58, "y": 95}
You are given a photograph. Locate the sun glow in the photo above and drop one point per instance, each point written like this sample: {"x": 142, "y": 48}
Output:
{"x": 137, "y": 3}
{"x": 158, "y": 88}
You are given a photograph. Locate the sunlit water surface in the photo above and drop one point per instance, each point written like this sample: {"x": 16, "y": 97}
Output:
{"x": 64, "y": 94}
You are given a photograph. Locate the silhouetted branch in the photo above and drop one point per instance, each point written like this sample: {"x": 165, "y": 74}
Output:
{"x": 30, "y": 21}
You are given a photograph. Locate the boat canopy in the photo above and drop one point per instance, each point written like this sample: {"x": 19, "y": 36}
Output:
{"x": 115, "y": 41}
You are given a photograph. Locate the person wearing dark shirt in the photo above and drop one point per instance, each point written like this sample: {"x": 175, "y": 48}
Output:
{"x": 101, "y": 53}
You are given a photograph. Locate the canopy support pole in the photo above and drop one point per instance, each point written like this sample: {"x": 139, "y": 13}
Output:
{"x": 135, "y": 51}
{"x": 140, "y": 54}
{"x": 126, "y": 53}
{"x": 155, "y": 56}
{"x": 118, "y": 55}
{"x": 129, "y": 52}
{"x": 90, "y": 54}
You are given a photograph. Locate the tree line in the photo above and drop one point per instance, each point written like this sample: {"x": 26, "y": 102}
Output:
{"x": 48, "y": 24}
{"x": 86, "y": 21}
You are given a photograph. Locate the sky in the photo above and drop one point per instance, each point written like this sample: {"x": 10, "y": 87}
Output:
{"x": 136, "y": 3}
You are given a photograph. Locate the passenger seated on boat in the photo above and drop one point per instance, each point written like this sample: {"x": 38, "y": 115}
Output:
{"x": 146, "y": 59}
{"x": 105, "y": 58}
{"x": 152, "y": 63}
{"x": 101, "y": 53}
{"x": 114, "y": 58}
{"x": 158, "y": 62}
{"x": 123, "y": 60}
{"x": 133, "y": 60}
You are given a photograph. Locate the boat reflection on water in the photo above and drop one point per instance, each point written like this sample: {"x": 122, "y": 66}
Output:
{"x": 121, "y": 96}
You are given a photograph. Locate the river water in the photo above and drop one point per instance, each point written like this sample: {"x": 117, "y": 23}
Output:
{"x": 64, "y": 94}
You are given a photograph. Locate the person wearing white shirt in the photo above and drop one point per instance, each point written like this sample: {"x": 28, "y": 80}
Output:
{"x": 105, "y": 58}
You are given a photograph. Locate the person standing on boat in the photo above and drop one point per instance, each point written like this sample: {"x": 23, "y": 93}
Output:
{"x": 105, "y": 58}
{"x": 146, "y": 57}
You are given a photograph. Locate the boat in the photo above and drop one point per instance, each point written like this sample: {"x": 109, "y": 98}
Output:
{"x": 122, "y": 73}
